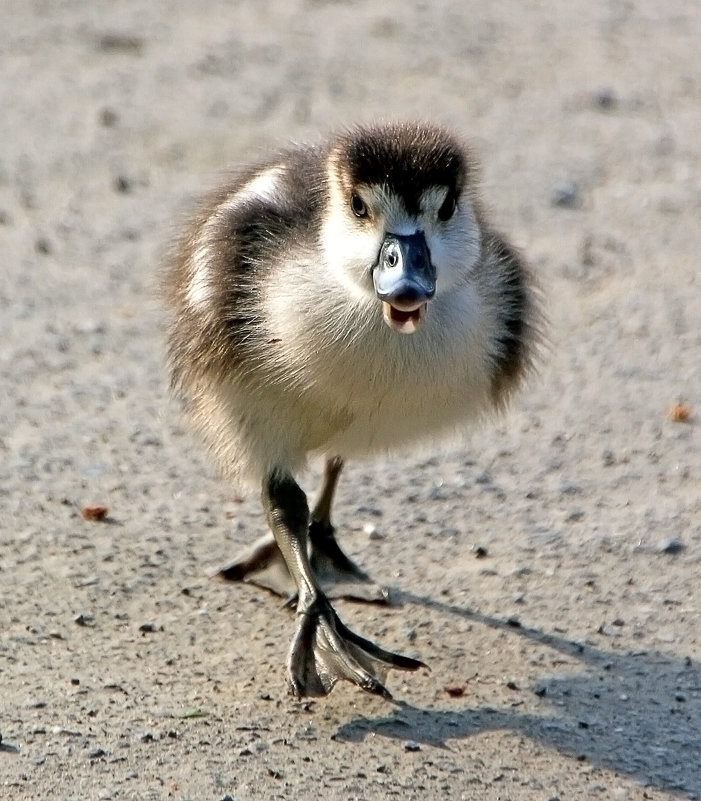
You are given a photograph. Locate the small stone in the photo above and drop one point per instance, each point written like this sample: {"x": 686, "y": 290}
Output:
{"x": 89, "y": 326}
{"x": 512, "y": 685}
{"x": 96, "y": 753}
{"x": 609, "y": 630}
{"x": 479, "y": 551}
{"x": 672, "y": 546}
{"x": 120, "y": 42}
{"x": 123, "y": 184}
{"x": 680, "y": 697}
{"x": 109, "y": 117}
{"x": 541, "y": 691}
{"x": 43, "y": 246}
{"x": 147, "y": 628}
{"x": 227, "y": 798}
{"x": 565, "y": 195}
{"x": 606, "y": 98}
{"x": 411, "y": 745}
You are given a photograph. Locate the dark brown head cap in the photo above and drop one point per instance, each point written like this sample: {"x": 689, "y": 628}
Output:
{"x": 405, "y": 157}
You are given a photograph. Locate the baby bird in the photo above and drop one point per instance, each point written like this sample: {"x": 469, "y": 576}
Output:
{"x": 341, "y": 298}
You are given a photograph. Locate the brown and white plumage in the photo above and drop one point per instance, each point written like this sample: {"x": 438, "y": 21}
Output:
{"x": 342, "y": 299}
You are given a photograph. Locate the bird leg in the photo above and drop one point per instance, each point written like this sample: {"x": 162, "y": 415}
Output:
{"x": 337, "y": 574}
{"x": 323, "y": 649}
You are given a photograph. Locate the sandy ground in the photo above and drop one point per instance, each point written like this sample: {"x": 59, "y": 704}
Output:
{"x": 574, "y": 644}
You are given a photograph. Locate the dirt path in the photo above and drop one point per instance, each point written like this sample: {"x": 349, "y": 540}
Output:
{"x": 572, "y": 647}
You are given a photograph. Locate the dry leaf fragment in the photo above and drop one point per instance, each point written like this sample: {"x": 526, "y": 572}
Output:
{"x": 679, "y": 413}
{"x": 96, "y": 512}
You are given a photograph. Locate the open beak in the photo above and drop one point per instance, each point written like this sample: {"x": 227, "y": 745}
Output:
{"x": 404, "y": 280}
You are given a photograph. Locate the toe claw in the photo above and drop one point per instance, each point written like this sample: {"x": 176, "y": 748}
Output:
{"x": 325, "y": 651}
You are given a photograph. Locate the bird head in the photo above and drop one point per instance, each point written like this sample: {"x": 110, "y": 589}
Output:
{"x": 400, "y": 226}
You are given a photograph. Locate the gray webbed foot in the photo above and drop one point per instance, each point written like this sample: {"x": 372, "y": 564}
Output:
{"x": 337, "y": 574}
{"x": 262, "y": 564}
{"x": 339, "y": 577}
{"x": 325, "y": 651}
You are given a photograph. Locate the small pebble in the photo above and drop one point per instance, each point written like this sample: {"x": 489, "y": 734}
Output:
{"x": 609, "y": 630}
{"x": 227, "y": 798}
{"x": 565, "y": 195}
{"x": 672, "y": 546}
{"x": 147, "y": 628}
{"x": 118, "y": 42}
{"x": 43, "y": 246}
{"x": 606, "y": 98}
{"x": 122, "y": 184}
{"x": 411, "y": 745}
{"x": 479, "y": 551}
{"x": 109, "y": 117}
{"x": 96, "y": 753}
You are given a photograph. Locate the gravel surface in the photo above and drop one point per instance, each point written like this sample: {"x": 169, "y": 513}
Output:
{"x": 547, "y": 568}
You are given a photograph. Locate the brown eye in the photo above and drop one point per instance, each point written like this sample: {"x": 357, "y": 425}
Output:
{"x": 358, "y": 206}
{"x": 446, "y": 211}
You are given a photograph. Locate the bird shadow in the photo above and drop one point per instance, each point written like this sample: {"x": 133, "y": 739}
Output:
{"x": 635, "y": 713}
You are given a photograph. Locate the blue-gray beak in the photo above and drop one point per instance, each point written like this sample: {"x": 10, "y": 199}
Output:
{"x": 404, "y": 280}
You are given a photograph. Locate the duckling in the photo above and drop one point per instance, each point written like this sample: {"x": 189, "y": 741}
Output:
{"x": 341, "y": 298}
